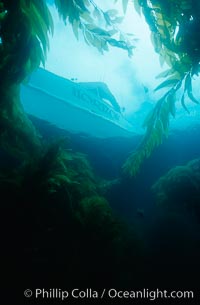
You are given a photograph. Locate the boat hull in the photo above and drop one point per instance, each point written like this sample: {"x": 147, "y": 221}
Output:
{"x": 69, "y": 106}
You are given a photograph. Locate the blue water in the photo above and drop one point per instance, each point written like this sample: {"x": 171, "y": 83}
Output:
{"x": 107, "y": 156}
{"x": 168, "y": 234}
{"x": 66, "y": 225}
{"x": 171, "y": 239}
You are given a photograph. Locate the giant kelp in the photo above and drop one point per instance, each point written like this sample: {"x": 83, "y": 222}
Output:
{"x": 174, "y": 29}
{"x": 54, "y": 199}
{"x": 51, "y": 205}
{"x": 179, "y": 189}
{"x": 24, "y": 45}
{"x": 56, "y": 215}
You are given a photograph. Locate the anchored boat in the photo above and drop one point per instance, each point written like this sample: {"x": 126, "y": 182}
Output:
{"x": 76, "y": 107}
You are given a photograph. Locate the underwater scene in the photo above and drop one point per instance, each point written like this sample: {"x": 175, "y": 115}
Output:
{"x": 100, "y": 152}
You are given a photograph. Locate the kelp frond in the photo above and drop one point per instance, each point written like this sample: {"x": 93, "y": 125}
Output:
{"x": 99, "y": 28}
{"x": 24, "y": 44}
{"x": 24, "y": 34}
{"x": 174, "y": 34}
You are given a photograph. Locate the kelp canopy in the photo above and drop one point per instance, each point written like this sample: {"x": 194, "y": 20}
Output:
{"x": 24, "y": 44}
{"x": 174, "y": 29}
